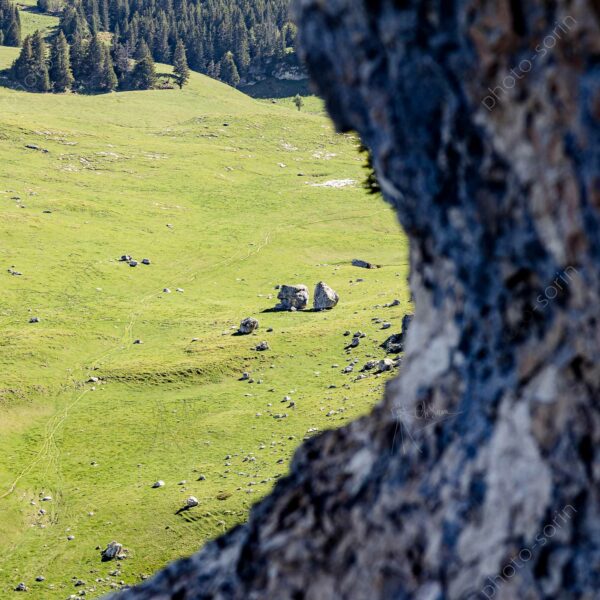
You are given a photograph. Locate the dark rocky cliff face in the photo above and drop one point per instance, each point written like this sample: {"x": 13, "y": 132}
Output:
{"x": 478, "y": 475}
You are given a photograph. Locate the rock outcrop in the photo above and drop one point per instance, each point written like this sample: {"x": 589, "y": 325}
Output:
{"x": 248, "y": 326}
{"x": 478, "y": 475}
{"x": 292, "y": 297}
{"x": 325, "y": 298}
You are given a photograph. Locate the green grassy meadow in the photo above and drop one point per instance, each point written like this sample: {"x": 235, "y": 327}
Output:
{"x": 216, "y": 189}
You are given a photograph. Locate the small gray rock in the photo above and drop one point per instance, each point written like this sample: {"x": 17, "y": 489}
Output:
{"x": 363, "y": 264}
{"x": 248, "y": 326}
{"x": 112, "y": 551}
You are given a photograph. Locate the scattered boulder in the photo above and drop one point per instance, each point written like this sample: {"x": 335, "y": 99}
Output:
{"x": 395, "y": 343}
{"x": 166, "y": 291}
{"x": 138, "y": 342}
{"x": 262, "y": 347}
{"x": 158, "y": 484}
{"x": 146, "y": 261}
{"x": 248, "y": 326}
{"x": 385, "y": 365}
{"x": 34, "y": 320}
{"x": 125, "y": 258}
{"x": 368, "y": 366}
{"x": 292, "y": 297}
{"x": 112, "y": 551}
{"x": 363, "y": 264}
{"x": 325, "y": 298}
{"x": 133, "y": 263}
{"x": 191, "y": 502}
{"x": 21, "y": 587}
{"x": 36, "y": 147}
{"x": 353, "y": 344}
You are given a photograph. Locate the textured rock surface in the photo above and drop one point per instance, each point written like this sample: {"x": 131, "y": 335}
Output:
{"x": 292, "y": 297}
{"x": 478, "y": 475}
{"x": 248, "y": 326}
{"x": 325, "y": 297}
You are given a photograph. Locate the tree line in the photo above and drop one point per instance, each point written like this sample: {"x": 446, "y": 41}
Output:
{"x": 88, "y": 65}
{"x": 10, "y": 24}
{"x": 232, "y": 40}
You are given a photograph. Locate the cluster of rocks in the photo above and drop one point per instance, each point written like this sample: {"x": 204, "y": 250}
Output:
{"x": 12, "y": 271}
{"x": 126, "y": 258}
{"x": 296, "y": 297}
{"x": 395, "y": 343}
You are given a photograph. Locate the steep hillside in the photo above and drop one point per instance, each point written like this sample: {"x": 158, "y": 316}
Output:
{"x": 225, "y": 196}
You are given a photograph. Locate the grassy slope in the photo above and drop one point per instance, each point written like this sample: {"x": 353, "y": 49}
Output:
{"x": 119, "y": 168}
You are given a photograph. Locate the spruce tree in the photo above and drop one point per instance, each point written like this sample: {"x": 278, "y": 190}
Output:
{"x": 10, "y": 24}
{"x": 109, "y": 81}
{"x": 24, "y": 63}
{"x": 61, "y": 75}
{"x": 229, "y": 72}
{"x": 95, "y": 64}
{"x": 120, "y": 56}
{"x": 142, "y": 50}
{"x": 180, "y": 65}
{"x": 298, "y": 101}
{"x": 144, "y": 74}
{"x": 79, "y": 63}
{"x": 12, "y": 34}
{"x": 38, "y": 75}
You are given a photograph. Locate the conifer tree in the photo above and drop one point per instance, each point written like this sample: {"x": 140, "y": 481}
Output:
{"x": 229, "y": 71}
{"x": 79, "y": 62}
{"x": 10, "y": 24}
{"x": 144, "y": 73}
{"x": 180, "y": 65}
{"x": 24, "y": 63}
{"x": 95, "y": 64}
{"x": 61, "y": 75}
{"x": 108, "y": 80}
{"x": 120, "y": 56}
{"x": 38, "y": 73}
{"x": 142, "y": 50}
